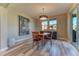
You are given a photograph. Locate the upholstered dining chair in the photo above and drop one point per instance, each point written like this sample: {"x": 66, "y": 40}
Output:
{"x": 35, "y": 38}
{"x": 54, "y": 35}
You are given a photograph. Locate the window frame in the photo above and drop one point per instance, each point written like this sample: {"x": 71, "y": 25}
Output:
{"x": 74, "y": 15}
{"x": 48, "y": 23}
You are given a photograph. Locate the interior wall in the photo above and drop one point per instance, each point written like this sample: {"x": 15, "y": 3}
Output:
{"x": 13, "y": 26}
{"x": 38, "y": 25}
{"x": 9, "y": 26}
{"x": 69, "y": 25}
{"x": 77, "y": 35}
{"x": 3, "y": 28}
{"x": 61, "y": 26}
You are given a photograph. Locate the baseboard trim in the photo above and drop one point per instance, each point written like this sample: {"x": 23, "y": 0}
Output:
{"x": 23, "y": 39}
{"x": 63, "y": 39}
{"x": 3, "y": 49}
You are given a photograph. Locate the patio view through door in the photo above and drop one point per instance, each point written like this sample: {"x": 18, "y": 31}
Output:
{"x": 74, "y": 27}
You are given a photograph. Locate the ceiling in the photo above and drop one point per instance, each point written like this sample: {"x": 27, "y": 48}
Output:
{"x": 74, "y": 11}
{"x": 4, "y": 4}
{"x": 35, "y": 9}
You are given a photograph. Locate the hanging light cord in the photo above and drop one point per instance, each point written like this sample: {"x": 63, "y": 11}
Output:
{"x": 43, "y": 10}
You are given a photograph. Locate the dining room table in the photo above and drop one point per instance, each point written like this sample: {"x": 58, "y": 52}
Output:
{"x": 42, "y": 36}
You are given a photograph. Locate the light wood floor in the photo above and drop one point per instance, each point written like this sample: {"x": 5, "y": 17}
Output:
{"x": 57, "y": 48}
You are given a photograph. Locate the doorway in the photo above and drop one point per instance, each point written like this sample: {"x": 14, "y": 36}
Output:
{"x": 74, "y": 27}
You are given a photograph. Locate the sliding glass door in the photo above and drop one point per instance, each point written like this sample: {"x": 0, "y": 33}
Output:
{"x": 74, "y": 29}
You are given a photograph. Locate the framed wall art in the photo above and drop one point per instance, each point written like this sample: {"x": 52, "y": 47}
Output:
{"x": 23, "y": 26}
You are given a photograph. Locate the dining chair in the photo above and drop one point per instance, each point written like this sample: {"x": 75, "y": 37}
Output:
{"x": 35, "y": 38}
{"x": 48, "y": 37}
{"x": 41, "y": 32}
{"x": 54, "y": 35}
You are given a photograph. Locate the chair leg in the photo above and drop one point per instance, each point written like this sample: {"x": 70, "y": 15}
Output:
{"x": 37, "y": 44}
{"x": 33, "y": 44}
{"x": 50, "y": 41}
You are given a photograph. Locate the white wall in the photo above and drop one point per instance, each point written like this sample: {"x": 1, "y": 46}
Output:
{"x": 3, "y": 28}
{"x": 9, "y": 26}
{"x": 13, "y": 26}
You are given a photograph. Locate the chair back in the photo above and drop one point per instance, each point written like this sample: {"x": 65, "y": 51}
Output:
{"x": 35, "y": 36}
{"x": 54, "y": 35}
{"x": 41, "y": 32}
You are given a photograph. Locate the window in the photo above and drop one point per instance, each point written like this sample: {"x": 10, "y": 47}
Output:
{"x": 49, "y": 24}
{"x": 53, "y": 24}
{"x": 44, "y": 25}
{"x": 74, "y": 18}
{"x": 74, "y": 22}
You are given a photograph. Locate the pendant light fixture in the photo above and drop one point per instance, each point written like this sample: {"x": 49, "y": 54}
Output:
{"x": 43, "y": 16}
